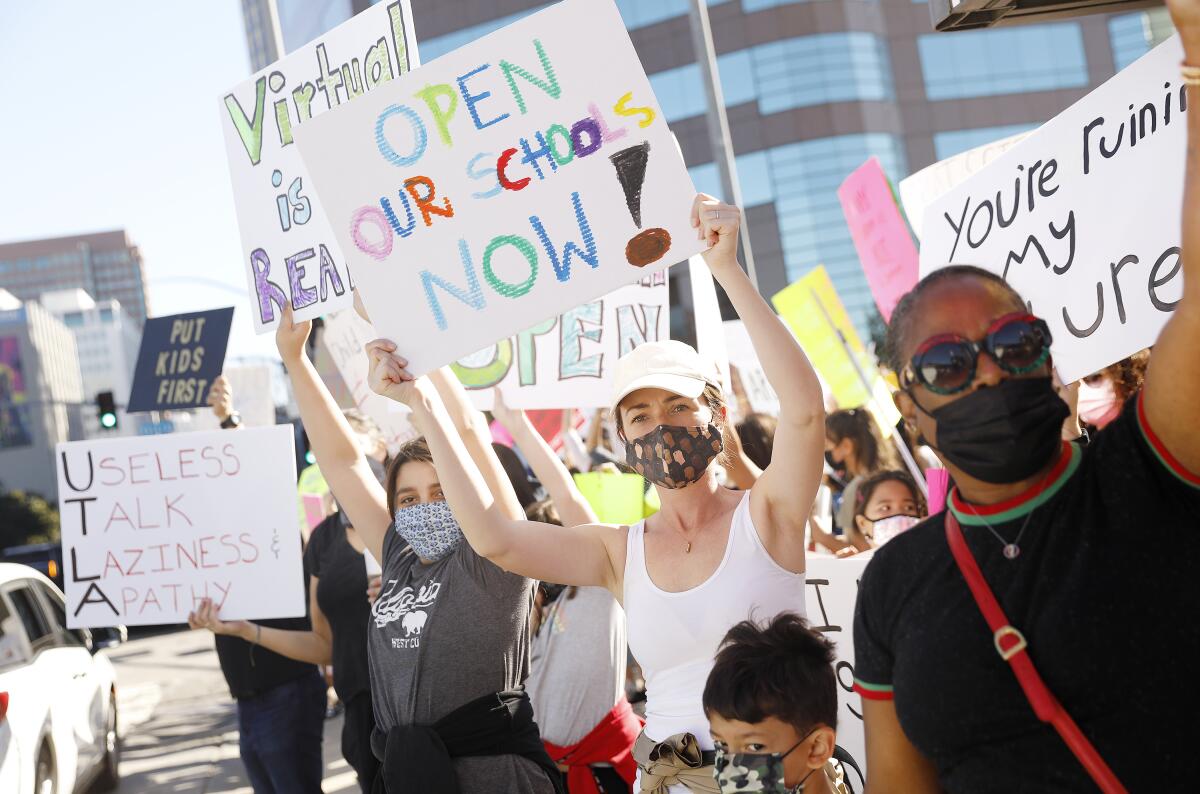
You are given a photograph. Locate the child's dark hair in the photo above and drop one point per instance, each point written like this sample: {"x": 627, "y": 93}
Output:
{"x": 782, "y": 669}
{"x": 867, "y": 489}
{"x": 757, "y": 432}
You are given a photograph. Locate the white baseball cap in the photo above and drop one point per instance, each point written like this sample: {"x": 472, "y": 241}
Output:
{"x": 670, "y": 365}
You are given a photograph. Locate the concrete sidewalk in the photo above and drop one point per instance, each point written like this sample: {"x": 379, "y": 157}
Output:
{"x": 179, "y": 725}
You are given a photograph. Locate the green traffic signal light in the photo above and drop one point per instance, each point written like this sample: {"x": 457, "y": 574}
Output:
{"x": 108, "y": 421}
{"x": 106, "y": 410}
{"x": 310, "y": 458}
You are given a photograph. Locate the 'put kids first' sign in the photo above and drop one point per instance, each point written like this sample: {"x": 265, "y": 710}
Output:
{"x": 288, "y": 250}
{"x": 506, "y": 182}
{"x": 180, "y": 357}
{"x": 153, "y": 524}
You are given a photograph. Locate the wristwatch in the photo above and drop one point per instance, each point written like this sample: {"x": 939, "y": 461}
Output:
{"x": 233, "y": 420}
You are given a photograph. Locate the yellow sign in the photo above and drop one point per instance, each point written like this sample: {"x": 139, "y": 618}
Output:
{"x": 812, "y": 309}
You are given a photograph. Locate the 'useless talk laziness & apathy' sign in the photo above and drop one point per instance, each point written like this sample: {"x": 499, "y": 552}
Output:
{"x": 521, "y": 175}
{"x": 153, "y": 524}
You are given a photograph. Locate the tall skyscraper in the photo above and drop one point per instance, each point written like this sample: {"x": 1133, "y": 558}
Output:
{"x": 105, "y": 265}
{"x": 812, "y": 89}
{"x": 298, "y": 23}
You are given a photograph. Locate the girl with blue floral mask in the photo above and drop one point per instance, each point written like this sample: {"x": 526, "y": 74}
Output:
{"x": 448, "y": 638}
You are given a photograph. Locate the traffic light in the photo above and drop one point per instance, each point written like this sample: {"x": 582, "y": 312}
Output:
{"x": 106, "y": 407}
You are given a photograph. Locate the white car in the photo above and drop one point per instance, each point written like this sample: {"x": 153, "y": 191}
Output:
{"x": 58, "y": 696}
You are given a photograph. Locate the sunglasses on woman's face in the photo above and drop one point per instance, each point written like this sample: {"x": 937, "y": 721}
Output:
{"x": 945, "y": 364}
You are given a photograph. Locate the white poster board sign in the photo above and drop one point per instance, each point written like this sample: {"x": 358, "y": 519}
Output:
{"x": 526, "y": 173}
{"x": 831, "y": 591}
{"x": 253, "y": 398}
{"x": 744, "y": 362}
{"x": 568, "y": 361}
{"x": 345, "y": 335}
{"x": 1082, "y": 217}
{"x": 153, "y": 524}
{"x": 932, "y": 182}
{"x": 288, "y": 249}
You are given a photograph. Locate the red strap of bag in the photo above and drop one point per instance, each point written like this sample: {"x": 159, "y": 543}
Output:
{"x": 1011, "y": 646}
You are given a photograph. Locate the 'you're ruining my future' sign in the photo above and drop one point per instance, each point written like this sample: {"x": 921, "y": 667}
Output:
{"x": 503, "y": 183}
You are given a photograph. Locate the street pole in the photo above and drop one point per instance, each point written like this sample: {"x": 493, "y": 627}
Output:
{"x": 718, "y": 121}
{"x": 909, "y": 461}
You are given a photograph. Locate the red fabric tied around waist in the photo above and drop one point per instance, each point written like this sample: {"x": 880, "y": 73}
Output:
{"x": 610, "y": 742}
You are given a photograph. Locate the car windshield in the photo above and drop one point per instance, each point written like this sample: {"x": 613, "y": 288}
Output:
{"x": 14, "y": 649}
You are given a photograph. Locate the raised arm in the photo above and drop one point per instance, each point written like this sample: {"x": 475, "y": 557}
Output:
{"x": 1173, "y": 380}
{"x": 332, "y": 440}
{"x": 785, "y": 491}
{"x": 572, "y": 507}
{"x": 477, "y": 437}
{"x": 575, "y": 555}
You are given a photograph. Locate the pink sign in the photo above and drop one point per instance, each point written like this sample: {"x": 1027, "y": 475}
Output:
{"x": 881, "y": 237}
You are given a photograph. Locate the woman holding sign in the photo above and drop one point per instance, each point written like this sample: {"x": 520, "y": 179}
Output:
{"x": 448, "y": 642}
{"x": 711, "y": 557}
{"x": 1029, "y": 587}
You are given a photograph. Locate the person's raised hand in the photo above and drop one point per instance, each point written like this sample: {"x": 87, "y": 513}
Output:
{"x": 717, "y": 224}
{"x": 290, "y": 336}
{"x": 205, "y": 616}
{"x": 510, "y": 418}
{"x": 220, "y": 398}
{"x": 1186, "y": 16}
{"x": 388, "y": 375}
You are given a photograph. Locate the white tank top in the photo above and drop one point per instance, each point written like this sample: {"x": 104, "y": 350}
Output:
{"x": 674, "y": 636}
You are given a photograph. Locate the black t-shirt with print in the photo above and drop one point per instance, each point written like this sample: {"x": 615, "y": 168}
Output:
{"x": 342, "y": 595}
{"x": 1105, "y": 591}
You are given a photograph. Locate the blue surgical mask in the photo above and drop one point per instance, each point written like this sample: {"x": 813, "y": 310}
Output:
{"x": 430, "y": 528}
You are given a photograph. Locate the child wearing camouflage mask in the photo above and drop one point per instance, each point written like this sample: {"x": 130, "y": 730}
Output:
{"x": 771, "y": 703}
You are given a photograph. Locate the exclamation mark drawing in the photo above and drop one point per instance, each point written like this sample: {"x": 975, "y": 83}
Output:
{"x": 649, "y": 245}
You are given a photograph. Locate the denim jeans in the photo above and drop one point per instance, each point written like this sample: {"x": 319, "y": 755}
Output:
{"x": 281, "y": 732}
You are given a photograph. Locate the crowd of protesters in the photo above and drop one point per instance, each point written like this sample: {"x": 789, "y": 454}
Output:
{"x": 1011, "y": 633}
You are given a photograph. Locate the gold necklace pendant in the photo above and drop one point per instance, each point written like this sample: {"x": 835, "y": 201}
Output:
{"x": 688, "y": 549}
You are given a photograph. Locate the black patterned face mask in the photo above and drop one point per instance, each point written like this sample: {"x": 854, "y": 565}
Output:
{"x": 674, "y": 457}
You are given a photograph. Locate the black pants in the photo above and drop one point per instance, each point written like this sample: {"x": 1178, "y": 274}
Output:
{"x": 359, "y": 720}
{"x": 607, "y": 778}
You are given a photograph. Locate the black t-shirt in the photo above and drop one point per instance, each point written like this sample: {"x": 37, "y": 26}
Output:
{"x": 251, "y": 670}
{"x": 342, "y": 595}
{"x": 1105, "y": 591}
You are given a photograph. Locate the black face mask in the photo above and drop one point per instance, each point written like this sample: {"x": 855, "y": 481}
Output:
{"x": 1004, "y": 433}
{"x": 838, "y": 468}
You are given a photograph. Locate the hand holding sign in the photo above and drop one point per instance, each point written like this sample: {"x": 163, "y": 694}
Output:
{"x": 389, "y": 377}
{"x": 206, "y": 617}
{"x": 290, "y": 336}
{"x": 220, "y": 398}
{"x": 717, "y": 224}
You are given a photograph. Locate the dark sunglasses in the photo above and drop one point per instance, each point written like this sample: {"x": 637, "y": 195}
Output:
{"x": 945, "y": 364}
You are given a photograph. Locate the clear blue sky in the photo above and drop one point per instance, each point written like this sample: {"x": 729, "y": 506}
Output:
{"x": 111, "y": 120}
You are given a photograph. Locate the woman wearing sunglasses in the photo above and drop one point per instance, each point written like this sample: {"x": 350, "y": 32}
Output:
{"x": 1099, "y": 617}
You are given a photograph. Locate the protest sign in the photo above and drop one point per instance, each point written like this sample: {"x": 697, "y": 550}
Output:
{"x": 526, "y": 173}
{"x": 1082, "y": 217}
{"x": 831, "y": 588}
{"x": 153, "y": 524}
{"x": 813, "y": 311}
{"x": 253, "y": 398}
{"x": 921, "y": 189}
{"x": 747, "y": 369}
{"x": 568, "y": 361}
{"x": 881, "y": 238}
{"x": 288, "y": 249}
{"x": 616, "y": 497}
{"x": 180, "y": 357}
{"x": 344, "y": 335}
